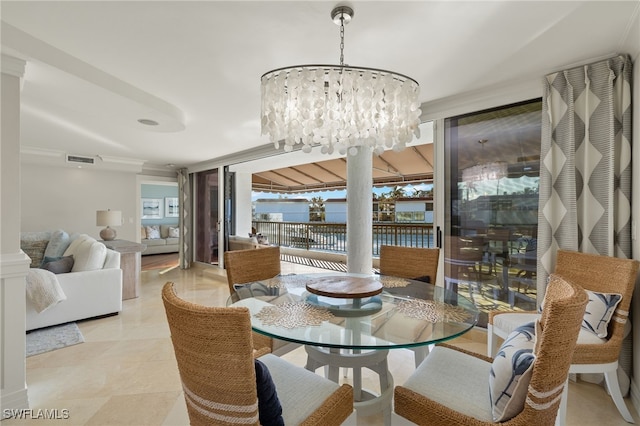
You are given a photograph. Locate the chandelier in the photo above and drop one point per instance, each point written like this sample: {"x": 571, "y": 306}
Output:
{"x": 339, "y": 107}
{"x": 493, "y": 170}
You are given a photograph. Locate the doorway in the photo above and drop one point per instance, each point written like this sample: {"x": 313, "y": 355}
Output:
{"x": 207, "y": 216}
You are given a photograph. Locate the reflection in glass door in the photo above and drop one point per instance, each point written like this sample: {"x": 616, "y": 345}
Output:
{"x": 492, "y": 162}
{"x": 207, "y": 217}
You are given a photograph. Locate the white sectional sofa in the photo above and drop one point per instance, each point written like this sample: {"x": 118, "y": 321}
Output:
{"x": 93, "y": 288}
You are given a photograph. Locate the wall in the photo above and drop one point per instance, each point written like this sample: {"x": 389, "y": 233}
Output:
{"x": 162, "y": 192}
{"x": 68, "y": 198}
{"x": 293, "y": 210}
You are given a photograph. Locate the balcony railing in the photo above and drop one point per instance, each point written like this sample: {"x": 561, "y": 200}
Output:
{"x": 332, "y": 237}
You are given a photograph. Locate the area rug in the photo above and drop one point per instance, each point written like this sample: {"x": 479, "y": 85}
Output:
{"x": 52, "y": 338}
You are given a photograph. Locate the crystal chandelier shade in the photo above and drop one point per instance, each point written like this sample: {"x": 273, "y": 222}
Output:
{"x": 487, "y": 171}
{"x": 339, "y": 107}
{"x": 492, "y": 170}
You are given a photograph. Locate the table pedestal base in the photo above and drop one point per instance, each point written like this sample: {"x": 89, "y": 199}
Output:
{"x": 366, "y": 403}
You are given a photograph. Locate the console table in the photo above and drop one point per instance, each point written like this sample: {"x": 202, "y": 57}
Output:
{"x": 130, "y": 261}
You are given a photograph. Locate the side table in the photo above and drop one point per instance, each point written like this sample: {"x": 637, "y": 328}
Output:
{"x": 130, "y": 262}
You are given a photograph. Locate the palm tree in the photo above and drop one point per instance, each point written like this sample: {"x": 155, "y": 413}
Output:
{"x": 316, "y": 209}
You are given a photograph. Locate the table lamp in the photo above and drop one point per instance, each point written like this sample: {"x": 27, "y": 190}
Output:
{"x": 108, "y": 218}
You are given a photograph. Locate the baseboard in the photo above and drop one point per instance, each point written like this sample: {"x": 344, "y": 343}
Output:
{"x": 18, "y": 400}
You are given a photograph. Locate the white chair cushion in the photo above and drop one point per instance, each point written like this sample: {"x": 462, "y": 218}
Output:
{"x": 455, "y": 380}
{"x": 88, "y": 254}
{"x": 599, "y": 312}
{"x": 586, "y": 337}
{"x": 511, "y": 372}
{"x": 504, "y": 324}
{"x": 300, "y": 391}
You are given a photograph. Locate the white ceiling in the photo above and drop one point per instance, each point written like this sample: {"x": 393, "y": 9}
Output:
{"x": 94, "y": 68}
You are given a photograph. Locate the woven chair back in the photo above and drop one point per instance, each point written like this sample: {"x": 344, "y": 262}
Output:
{"x": 409, "y": 262}
{"x": 564, "y": 308}
{"x": 244, "y": 266}
{"x": 602, "y": 274}
{"x": 214, "y": 353}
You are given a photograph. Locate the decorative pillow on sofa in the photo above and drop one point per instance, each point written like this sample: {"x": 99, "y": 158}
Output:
{"x": 57, "y": 265}
{"x": 143, "y": 233}
{"x": 35, "y": 250}
{"x": 174, "y": 232}
{"x": 153, "y": 232}
{"x": 58, "y": 244}
{"x": 269, "y": 408}
{"x": 511, "y": 372}
{"x": 88, "y": 254}
{"x": 599, "y": 312}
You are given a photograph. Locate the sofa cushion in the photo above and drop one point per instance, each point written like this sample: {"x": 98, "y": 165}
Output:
{"x": 174, "y": 232}
{"x": 172, "y": 241}
{"x": 57, "y": 265}
{"x": 88, "y": 254}
{"x": 155, "y": 242}
{"x": 35, "y": 250}
{"x": 143, "y": 233}
{"x": 58, "y": 244}
{"x": 153, "y": 232}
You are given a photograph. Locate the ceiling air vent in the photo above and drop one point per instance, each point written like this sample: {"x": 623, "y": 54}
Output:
{"x": 80, "y": 159}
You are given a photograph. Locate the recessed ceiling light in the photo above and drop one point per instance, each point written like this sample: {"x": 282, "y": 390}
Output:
{"x": 148, "y": 122}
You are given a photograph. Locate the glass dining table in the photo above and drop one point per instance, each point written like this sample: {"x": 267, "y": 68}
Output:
{"x": 352, "y": 320}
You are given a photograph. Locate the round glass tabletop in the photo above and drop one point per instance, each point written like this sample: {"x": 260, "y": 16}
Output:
{"x": 407, "y": 313}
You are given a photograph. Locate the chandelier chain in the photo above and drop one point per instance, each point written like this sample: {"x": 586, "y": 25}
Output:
{"x": 341, "y": 40}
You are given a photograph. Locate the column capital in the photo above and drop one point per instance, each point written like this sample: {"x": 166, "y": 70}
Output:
{"x": 12, "y": 66}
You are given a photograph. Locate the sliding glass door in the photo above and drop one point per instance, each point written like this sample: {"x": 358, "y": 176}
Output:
{"x": 492, "y": 160}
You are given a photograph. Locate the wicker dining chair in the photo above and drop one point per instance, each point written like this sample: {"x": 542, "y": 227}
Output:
{"x": 245, "y": 266}
{"x": 597, "y": 273}
{"x": 215, "y": 356}
{"x": 451, "y": 387}
{"x": 412, "y": 263}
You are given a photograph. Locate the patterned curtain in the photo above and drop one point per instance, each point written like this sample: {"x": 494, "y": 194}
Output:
{"x": 585, "y": 165}
{"x": 186, "y": 224}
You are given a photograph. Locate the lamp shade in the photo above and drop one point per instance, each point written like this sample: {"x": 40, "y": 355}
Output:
{"x": 108, "y": 218}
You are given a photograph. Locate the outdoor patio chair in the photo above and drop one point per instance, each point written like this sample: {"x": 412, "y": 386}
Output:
{"x": 457, "y": 387}
{"x": 413, "y": 263}
{"x": 603, "y": 276}
{"x": 224, "y": 385}
{"x": 245, "y": 266}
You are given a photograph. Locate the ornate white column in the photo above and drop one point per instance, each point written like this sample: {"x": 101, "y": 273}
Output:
{"x": 359, "y": 211}
{"x": 14, "y": 264}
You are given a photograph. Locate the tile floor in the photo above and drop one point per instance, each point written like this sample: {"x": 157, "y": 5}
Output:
{"x": 125, "y": 372}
